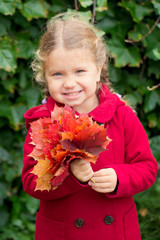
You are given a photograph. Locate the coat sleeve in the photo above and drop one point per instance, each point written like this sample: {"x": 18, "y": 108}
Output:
{"x": 139, "y": 170}
{"x": 69, "y": 186}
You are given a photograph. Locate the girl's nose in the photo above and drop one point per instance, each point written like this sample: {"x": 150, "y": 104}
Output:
{"x": 69, "y": 83}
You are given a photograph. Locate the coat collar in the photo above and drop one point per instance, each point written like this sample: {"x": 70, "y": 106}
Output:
{"x": 104, "y": 112}
{"x": 108, "y": 103}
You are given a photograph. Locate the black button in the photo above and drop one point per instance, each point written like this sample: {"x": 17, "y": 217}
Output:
{"x": 108, "y": 220}
{"x": 79, "y": 223}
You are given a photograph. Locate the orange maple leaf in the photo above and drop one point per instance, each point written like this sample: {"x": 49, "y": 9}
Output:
{"x": 59, "y": 140}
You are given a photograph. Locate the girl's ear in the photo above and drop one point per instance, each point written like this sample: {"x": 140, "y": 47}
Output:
{"x": 99, "y": 69}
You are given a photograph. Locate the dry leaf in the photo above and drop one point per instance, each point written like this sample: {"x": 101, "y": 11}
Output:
{"x": 59, "y": 140}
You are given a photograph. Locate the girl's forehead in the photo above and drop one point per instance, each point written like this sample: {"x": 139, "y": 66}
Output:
{"x": 70, "y": 54}
{"x": 69, "y": 59}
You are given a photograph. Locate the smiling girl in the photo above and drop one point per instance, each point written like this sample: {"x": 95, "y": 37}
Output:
{"x": 75, "y": 81}
{"x": 96, "y": 200}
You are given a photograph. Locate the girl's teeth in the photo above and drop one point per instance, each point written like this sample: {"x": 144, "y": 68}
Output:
{"x": 71, "y": 94}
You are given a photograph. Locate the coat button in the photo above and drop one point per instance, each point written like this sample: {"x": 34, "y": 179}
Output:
{"x": 79, "y": 223}
{"x": 108, "y": 220}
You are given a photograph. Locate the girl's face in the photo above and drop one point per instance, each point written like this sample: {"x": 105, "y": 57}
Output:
{"x": 72, "y": 77}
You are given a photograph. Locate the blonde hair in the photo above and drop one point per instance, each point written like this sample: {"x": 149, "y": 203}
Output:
{"x": 71, "y": 31}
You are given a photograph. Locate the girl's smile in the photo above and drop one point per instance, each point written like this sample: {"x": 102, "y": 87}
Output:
{"x": 73, "y": 95}
{"x": 72, "y": 77}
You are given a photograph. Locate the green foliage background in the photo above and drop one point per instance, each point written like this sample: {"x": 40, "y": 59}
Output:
{"x": 132, "y": 33}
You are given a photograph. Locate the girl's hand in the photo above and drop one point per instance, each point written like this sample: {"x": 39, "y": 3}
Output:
{"x": 104, "y": 180}
{"x": 81, "y": 169}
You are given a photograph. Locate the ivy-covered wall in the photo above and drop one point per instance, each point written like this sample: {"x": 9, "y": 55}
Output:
{"x": 132, "y": 33}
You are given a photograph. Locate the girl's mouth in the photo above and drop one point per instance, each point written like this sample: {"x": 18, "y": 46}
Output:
{"x": 72, "y": 94}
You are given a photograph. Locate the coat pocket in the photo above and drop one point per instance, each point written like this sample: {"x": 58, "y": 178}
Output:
{"x": 48, "y": 229}
{"x": 131, "y": 225}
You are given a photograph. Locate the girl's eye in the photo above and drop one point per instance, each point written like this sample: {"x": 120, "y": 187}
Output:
{"x": 57, "y": 74}
{"x": 80, "y": 71}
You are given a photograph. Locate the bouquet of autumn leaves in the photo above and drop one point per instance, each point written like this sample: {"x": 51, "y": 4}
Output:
{"x": 60, "y": 139}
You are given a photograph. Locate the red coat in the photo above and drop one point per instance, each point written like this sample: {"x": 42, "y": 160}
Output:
{"x": 76, "y": 212}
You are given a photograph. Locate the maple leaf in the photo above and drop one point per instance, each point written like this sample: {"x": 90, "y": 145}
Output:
{"x": 43, "y": 176}
{"x": 89, "y": 136}
{"x": 60, "y": 139}
{"x": 37, "y": 154}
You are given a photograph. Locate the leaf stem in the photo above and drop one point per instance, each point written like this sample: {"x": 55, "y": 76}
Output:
{"x": 93, "y": 180}
{"x": 143, "y": 67}
{"x": 76, "y": 5}
{"x": 146, "y": 35}
{"x": 94, "y": 12}
{"x": 154, "y": 87}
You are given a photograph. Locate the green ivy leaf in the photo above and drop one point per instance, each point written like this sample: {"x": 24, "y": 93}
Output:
{"x": 4, "y": 25}
{"x": 87, "y": 15}
{"x": 32, "y": 204}
{"x": 9, "y": 84}
{"x": 115, "y": 27}
{"x": 107, "y": 24}
{"x": 5, "y": 109}
{"x": 31, "y": 96}
{"x": 17, "y": 115}
{"x": 124, "y": 55}
{"x": 155, "y": 143}
{"x": 137, "y": 11}
{"x": 14, "y": 113}
{"x": 14, "y": 233}
{"x": 156, "y": 4}
{"x": 18, "y": 223}
{"x": 7, "y": 55}
{"x": 57, "y": 7}
{"x": 2, "y": 122}
{"x": 16, "y": 208}
{"x": 156, "y": 53}
{"x": 154, "y": 68}
{"x": 4, "y": 214}
{"x": 114, "y": 73}
{"x": 23, "y": 78}
{"x": 10, "y": 172}
{"x": 138, "y": 31}
{"x": 34, "y": 9}
{"x": 151, "y": 42}
{"x": 134, "y": 98}
{"x": 133, "y": 80}
{"x": 102, "y": 5}
{"x": 86, "y": 3}
{"x": 153, "y": 121}
{"x": 7, "y": 138}
{"x": 4, "y": 188}
{"x": 25, "y": 48}
{"x": 5, "y": 156}
{"x": 152, "y": 99}
{"x": 7, "y": 7}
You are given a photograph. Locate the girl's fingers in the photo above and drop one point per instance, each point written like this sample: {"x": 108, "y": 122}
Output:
{"x": 82, "y": 170}
{"x": 100, "y": 185}
{"x": 101, "y": 179}
{"x": 104, "y": 180}
{"x": 101, "y": 172}
{"x": 85, "y": 178}
{"x": 102, "y": 190}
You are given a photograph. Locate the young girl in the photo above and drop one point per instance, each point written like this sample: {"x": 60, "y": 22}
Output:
{"x": 96, "y": 200}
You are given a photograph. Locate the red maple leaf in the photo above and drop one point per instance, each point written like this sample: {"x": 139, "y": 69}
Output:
{"x": 59, "y": 140}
